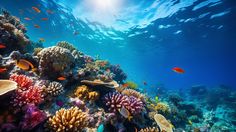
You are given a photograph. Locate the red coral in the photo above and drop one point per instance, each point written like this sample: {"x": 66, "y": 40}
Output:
{"x": 22, "y": 80}
{"x": 33, "y": 95}
{"x": 115, "y": 101}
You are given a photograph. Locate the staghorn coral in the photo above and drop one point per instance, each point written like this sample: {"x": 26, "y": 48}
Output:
{"x": 132, "y": 92}
{"x": 135, "y": 105}
{"x": 162, "y": 108}
{"x": 7, "y": 86}
{"x": 114, "y": 101}
{"x": 55, "y": 60}
{"x": 54, "y": 89}
{"x": 33, "y": 95}
{"x": 83, "y": 92}
{"x": 150, "y": 129}
{"x": 68, "y": 120}
{"x": 23, "y": 81}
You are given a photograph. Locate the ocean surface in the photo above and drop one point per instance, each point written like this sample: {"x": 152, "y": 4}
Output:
{"x": 146, "y": 38}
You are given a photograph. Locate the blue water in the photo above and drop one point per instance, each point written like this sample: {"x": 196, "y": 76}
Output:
{"x": 147, "y": 38}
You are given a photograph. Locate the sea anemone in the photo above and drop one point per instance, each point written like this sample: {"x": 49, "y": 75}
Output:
{"x": 114, "y": 101}
{"x": 33, "y": 95}
{"x": 23, "y": 81}
{"x": 70, "y": 120}
{"x": 149, "y": 129}
{"x": 54, "y": 89}
{"x": 135, "y": 105}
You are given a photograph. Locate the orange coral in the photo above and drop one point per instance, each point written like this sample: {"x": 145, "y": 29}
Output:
{"x": 84, "y": 93}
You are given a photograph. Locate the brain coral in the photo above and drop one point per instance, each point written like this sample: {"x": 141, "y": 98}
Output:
{"x": 55, "y": 60}
{"x": 68, "y": 120}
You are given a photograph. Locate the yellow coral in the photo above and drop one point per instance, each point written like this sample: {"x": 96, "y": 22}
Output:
{"x": 132, "y": 92}
{"x": 149, "y": 129}
{"x": 70, "y": 120}
{"x": 162, "y": 107}
{"x": 84, "y": 93}
{"x": 93, "y": 96}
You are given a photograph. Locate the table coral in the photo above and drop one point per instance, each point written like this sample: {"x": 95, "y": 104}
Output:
{"x": 7, "y": 86}
{"x": 68, "y": 120}
{"x": 55, "y": 60}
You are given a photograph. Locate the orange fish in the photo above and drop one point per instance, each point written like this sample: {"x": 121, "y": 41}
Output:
{"x": 178, "y": 70}
{"x": 125, "y": 85}
{"x": 2, "y": 46}
{"x": 3, "y": 70}
{"x": 36, "y": 9}
{"x": 61, "y": 78}
{"x": 25, "y": 65}
{"x": 26, "y": 18}
{"x": 36, "y": 26}
{"x": 44, "y": 19}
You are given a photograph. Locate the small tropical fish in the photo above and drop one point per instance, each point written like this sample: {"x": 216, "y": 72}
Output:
{"x": 144, "y": 83}
{"x": 36, "y": 26}
{"x": 2, "y": 46}
{"x": 26, "y": 18}
{"x": 36, "y": 9}
{"x": 62, "y": 78}
{"x": 44, "y": 19}
{"x": 178, "y": 70}
{"x": 3, "y": 70}
{"x": 49, "y": 12}
{"x": 25, "y": 65}
{"x": 76, "y": 32}
{"x": 42, "y": 40}
{"x": 100, "y": 128}
{"x": 156, "y": 99}
{"x": 125, "y": 85}
{"x": 125, "y": 113}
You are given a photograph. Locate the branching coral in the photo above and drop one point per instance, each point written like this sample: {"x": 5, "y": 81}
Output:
{"x": 33, "y": 95}
{"x": 55, "y": 60}
{"x": 162, "y": 107}
{"x": 68, "y": 120}
{"x": 135, "y": 105}
{"x": 22, "y": 80}
{"x": 132, "y": 92}
{"x": 84, "y": 93}
{"x": 149, "y": 129}
{"x": 115, "y": 101}
{"x": 54, "y": 89}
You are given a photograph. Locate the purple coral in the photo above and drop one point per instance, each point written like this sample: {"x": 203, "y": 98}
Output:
{"x": 120, "y": 76}
{"x": 33, "y": 117}
{"x": 115, "y": 101}
{"x": 135, "y": 105}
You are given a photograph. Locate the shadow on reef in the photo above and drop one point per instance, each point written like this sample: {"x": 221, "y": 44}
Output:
{"x": 60, "y": 89}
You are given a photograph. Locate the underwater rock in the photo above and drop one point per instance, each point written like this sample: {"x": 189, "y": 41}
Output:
{"x": 55, "y": 61}
{"x": 7, "y": 86}
{"x": 68, "y": 120}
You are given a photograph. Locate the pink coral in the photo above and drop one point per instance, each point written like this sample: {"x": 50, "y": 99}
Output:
{"x": 135, "y": 105}
{"x": 22, "y": 80}
{"x": 115, "y": 101}
{"x": 32, "y": 95}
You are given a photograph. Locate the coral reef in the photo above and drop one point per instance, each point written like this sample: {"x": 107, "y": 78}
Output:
{"x": 163, "y": 108}
{"x": 149, "y": 129}
{"x": 120, "y": 76}
{"x": 22, "y": 80}
{"x": 68, "y": 120}
{"x": 84, "y": 93}
{"x": 135, "y": 105}
{"x": 55, "y": 61}
{"x": 54, "y": 89}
